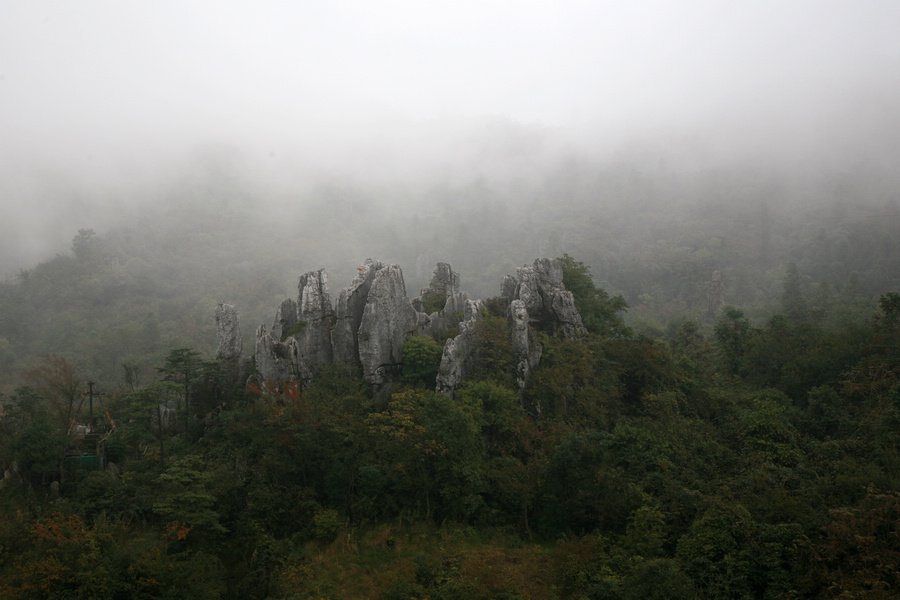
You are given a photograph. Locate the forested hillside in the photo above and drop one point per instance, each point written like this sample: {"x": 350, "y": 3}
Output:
{"x": 652, "y": 232}
{"x": 726, "y": 429}
{"x": 728, "y": 458}
{"x": 450, "y": 301}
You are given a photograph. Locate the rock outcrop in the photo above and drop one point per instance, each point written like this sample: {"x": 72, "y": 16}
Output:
{"x": 526, "y": 348}
{"x": 373, "y": 318}
{"x": 444, "y": 282}
{"x": 300, "y": 341}
{"x": 550, "y": 307}
{"x": 508, "y": 288}
{"x": 443, "y": 302}
{"x": 387, "y": 322}
{"x": 539, "y": 300}
{"x": 364, "y": 334}
{"x": 315, "y": 318}
{"x": 348, "y": 316}
{"x": 228, "y": 333}
{"x": 164, "y": 419}
{"x": 276, "y": 360}
{"x": 458, "y": 358}
{"x": 285, "y": 319}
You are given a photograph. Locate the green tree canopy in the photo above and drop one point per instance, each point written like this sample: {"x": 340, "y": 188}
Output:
{"x": 600, "y": 313}
{"x": 30, "y": 438}
{"x": 421, "y": 361}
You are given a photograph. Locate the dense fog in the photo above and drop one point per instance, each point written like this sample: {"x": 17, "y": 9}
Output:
{"x": 355, "y": 123}
{"x": 688, "y": 386}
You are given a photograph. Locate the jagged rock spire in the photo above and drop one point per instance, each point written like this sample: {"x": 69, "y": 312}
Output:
{"x": 349, "y": 312}
{"x": 550, "y": 306}
{"x": 228, "y": 332}
{"x": 387, "y": 322}
{"x": 315, "y": 310}
{"x": 374, "y": 318}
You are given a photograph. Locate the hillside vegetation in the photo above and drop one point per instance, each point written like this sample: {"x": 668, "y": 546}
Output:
{"x": 713, "y": 436}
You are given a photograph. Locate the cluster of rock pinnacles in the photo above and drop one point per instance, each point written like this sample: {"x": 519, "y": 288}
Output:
{"x": 365, "y": 330}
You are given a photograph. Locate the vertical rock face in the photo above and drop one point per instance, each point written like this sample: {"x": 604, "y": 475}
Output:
{"x": 537, "y": 298}
{"x": 314, "y": 308}
{"x": 526, "y": 349}
{"x": 442, "y": 293}
{"x": 373, "y": 319}
{"x": 508, "y": 288}
{"x": 276, "y": 360}
{"x": 388, "y": 320}
{"x": 365, "y": 333}
{"x": 305, "y": 326}
{"x": 285, "y": 319}
{"x": 459, "y": 352}
{"x": 549, "y": 273}
{"x": 444, "y": 281}
{"x": 566, "y": 319}
{"x": 528, "y": 291}
{"x": 228, "y": 332}
{"x": 164, "y": 419}
{"x": 348, "y": 316}
{"x": 550, "y": 306}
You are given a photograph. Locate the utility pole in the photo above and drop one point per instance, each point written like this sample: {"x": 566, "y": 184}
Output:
{"x": 91, "y": 394}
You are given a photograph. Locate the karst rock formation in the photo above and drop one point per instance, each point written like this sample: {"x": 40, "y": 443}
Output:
{"x": 364, "y": 331}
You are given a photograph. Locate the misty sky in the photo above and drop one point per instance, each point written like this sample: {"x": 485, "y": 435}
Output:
{"x": 103, "y": 75}
{"x": 93, "y": 88}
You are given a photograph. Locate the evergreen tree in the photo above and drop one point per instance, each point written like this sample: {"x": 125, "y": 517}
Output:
{"x": 599, "y": 312}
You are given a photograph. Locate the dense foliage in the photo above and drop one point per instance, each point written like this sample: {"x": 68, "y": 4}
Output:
{"x": 813, "y": 240}
{"x": 715, "y": 460}
{"x": 734, "y": 434}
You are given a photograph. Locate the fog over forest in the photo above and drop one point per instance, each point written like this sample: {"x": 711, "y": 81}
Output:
{"x": 298, "y": 116}
{"x": 662, "y": 362}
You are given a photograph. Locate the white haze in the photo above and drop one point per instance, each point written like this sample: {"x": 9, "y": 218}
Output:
{"x": 103, "y": 104}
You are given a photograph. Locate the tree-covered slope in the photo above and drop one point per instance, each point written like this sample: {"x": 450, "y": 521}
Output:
{"x": 651, "y": 232}
{"x": 729, "y": 461}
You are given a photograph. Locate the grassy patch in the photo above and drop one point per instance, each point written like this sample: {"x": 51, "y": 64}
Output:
{"x": 421, "y": 561}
